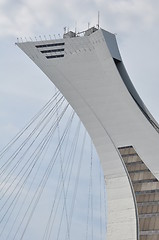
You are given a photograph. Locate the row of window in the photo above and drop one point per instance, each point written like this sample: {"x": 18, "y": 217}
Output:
{"x": 145, "y": 181}
{"x": 52, "y": 50}
{"x": 50, "y": 45}
{"x": 55, "y": 56}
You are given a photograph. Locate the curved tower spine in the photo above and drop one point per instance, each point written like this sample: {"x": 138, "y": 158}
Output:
{"x": 89, "y": 72}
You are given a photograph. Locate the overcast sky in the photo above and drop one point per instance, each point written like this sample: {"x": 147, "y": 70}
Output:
{"x": 24, "y": 88}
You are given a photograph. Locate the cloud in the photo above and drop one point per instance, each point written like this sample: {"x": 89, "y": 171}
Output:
{"x": 126, "y": 15}
{"x": 20, "y": 18}
{"x": 26, "y": 18}
{"x": 31, "y": 17}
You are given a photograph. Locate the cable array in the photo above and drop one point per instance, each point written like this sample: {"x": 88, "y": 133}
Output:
{"x": 44, "y": 179}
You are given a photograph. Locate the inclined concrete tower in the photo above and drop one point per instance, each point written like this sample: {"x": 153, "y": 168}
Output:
{"x": 89, "y": 72}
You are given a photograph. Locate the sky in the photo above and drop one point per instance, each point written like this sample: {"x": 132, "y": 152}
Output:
{"x": 24, "y": 89}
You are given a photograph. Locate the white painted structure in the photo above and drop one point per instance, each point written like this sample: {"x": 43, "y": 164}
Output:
{"x": 89, "y": 72}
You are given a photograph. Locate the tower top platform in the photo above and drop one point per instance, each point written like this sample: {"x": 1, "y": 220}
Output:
{"x": 87, "y": 32}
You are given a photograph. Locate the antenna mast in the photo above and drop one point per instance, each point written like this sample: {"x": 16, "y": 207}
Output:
{"x": 98, "y": 19}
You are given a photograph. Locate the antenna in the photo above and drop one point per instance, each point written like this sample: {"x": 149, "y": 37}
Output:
{"x": 75, "y": 27}
{"x": 98, "y": 19}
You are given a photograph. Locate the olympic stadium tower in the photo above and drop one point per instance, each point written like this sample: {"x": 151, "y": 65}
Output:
{"x": 89, "y": 72}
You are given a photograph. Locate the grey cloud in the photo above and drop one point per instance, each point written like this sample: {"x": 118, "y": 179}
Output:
{"x": 26, "y": 17}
